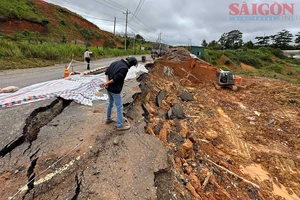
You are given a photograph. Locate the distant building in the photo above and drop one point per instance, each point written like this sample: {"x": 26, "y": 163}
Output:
{"x": 197, "y": 51}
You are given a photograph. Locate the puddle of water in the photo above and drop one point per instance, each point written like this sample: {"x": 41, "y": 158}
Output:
{"x": 256, "y": 172}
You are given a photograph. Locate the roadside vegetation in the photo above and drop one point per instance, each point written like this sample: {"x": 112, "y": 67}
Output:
{"x": 25, "y": 54}
{"x": 264, "y": 58}
{"x": 264, "y": 61}
{"x": 59, "y": 35}
{"x": 21, "y": 9}
{"x": 39, "y": 34}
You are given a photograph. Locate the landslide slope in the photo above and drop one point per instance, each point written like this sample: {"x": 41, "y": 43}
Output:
{"x": 226, "y": 144}
{"x": 187, "y": 141}
{"x": 37, "y": 19}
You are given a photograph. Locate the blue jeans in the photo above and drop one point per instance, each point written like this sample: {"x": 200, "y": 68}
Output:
{"x": 117, "y": 99}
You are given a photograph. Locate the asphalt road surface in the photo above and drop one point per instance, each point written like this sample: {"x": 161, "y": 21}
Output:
{"x": 25, "y": 77}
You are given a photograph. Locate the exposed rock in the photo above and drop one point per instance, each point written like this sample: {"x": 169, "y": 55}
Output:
{"x": 186, "y": 96}
{"x": 177, "y": 112}
{"x": 175, "y": 138}
{"x": 186, "y": 150}
{"x": 211, "y": 135}
{"x": 164, "y": 132}
{"x": 193, "y": 191}
{"x": 193, "y": 179}
{"x": 160, "y": 96}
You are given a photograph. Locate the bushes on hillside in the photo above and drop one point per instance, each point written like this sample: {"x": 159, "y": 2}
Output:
{"x": 109, "y": 44}
{"x": 86, "y": 34}
{"x": 212, "y": 56}
{"x": 277, "y": 68}
{"x": 250, "y": 60}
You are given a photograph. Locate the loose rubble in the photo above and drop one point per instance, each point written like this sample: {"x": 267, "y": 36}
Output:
{"x": 217, "y": 136}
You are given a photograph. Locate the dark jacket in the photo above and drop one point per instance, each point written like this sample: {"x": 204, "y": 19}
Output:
{"x": 117, "y": 71}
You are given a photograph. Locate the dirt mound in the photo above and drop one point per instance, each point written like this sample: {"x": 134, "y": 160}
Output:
{"x": 225, "y": 144}
{"x": 202, "y": 143}
{"x": 177, "y": 54}
{"x": 188, "y": 68}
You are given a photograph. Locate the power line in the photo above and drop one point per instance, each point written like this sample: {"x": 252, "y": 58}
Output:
{"x": 119, "y": 10}
{"x": 134, "y": 18}
{"x": 167, "y": 36}
{"x": 147, "y": 36}
{"x": 92, "y": 17}
{"x": 81, "y": 6}
{"x": 138, "y": 8}
{"x": 141, "y": 24}
{"x": 115, "y": 4}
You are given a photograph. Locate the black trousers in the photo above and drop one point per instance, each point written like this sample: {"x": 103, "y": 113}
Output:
{"x": 88, "y": 59}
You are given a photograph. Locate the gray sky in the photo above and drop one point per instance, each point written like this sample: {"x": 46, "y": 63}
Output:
{"x": 182, "y": 22}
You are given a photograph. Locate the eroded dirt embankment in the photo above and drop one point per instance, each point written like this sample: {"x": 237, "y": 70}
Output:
{"x": 226, "y": 144}
{"x": 187, "y": 141}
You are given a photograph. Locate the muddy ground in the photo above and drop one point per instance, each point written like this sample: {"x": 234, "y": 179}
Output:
{"x": 188, "y": 141}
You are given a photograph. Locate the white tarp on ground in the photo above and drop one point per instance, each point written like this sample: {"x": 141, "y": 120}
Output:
{"x": 81, "y": 89}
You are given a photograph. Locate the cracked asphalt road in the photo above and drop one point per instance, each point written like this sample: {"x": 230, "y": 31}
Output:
{"x": 58, "y": 149}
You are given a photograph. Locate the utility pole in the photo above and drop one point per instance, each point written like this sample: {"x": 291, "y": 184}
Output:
{"x": 115, "y": 26}
{"x": 189, "y": 43}
{"x": 159, "y": 39}
{"x": 126, "y": 28}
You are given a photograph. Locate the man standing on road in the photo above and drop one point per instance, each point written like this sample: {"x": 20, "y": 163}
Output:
{"x": 87, "y": 58}
{"x": 115, "y": 76}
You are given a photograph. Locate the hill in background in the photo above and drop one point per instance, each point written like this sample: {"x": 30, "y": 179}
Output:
{"x": 39, "y": 20}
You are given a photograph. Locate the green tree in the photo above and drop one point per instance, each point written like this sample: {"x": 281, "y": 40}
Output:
{"x": 262, "y": 40}
{"x": 235, "y": 38}
{"x": 249, "y": 45}
{"x": 297, "y": 40}
{"x": 139, "y": 38}
{"x": 204, "y": 43}
{"x": 214, "y": 45}
{"x": 232, "y": 39}
{"x": 223, "y": 40}
{"x": 283, "y": 39}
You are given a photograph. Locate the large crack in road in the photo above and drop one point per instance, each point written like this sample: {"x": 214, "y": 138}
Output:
{"x": 34, "y": 122}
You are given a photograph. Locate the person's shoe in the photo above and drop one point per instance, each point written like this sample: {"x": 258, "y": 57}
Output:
{"x": 123, "y": 128}
{"x": 109, "y": 121}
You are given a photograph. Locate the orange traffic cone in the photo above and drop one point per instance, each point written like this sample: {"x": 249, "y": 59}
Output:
{"x": 66, "y": 73}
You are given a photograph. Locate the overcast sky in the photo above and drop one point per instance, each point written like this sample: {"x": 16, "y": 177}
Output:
{"x": 183, "y": 22}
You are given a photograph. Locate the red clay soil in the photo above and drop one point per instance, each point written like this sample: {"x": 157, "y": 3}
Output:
{"x": 231, "y": 66}
{"x": 12, "y": 26}
{"x": 187, "y": 67}
{"x": 241, "y": 144}
{"x": 48, "y": 10}
{"x": 246, "y": 67}
{"x": 219, "y": 144}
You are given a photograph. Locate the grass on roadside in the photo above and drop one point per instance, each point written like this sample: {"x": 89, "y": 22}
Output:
{"x": 266, "y": 62}
{"x": 30, "y": 54}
